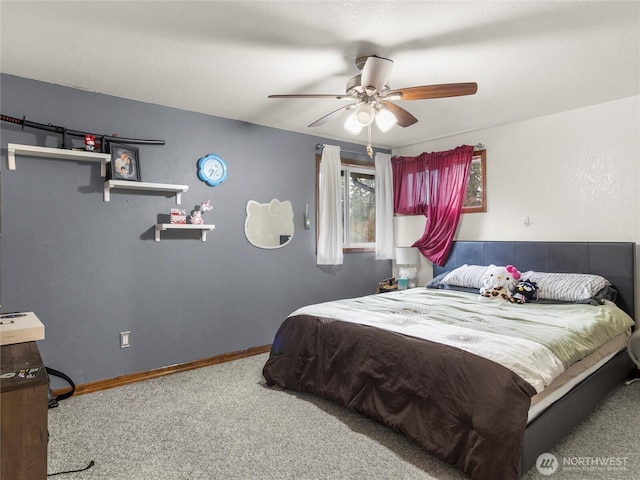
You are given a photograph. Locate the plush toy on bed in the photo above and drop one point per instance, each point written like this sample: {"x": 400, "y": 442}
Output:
{"x": 499, "y": 282}
{"x": 525, "y": 291}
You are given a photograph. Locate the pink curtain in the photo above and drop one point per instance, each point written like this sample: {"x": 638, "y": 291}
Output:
{"x": 409, "y": 185}
{"x": 447, "y": 174}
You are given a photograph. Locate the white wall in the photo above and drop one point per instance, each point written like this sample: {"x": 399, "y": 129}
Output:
{"x": 576, "y": 175}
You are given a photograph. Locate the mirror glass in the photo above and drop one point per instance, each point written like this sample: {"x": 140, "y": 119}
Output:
{"x": 269, "y": 225}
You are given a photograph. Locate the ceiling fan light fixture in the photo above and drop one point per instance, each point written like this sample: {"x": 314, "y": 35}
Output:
{"x": 365, "y": 114}
{"x": 385, "y": 120}
{"x": 351, "y": 125}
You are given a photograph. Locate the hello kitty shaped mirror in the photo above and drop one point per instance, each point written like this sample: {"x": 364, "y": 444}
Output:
{"x": 269, "y": 225}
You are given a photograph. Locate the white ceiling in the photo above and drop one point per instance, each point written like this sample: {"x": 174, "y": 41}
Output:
{"x": 223, "y": 58}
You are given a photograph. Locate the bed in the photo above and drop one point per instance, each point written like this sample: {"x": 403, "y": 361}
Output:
{"x": 453, "y": 391}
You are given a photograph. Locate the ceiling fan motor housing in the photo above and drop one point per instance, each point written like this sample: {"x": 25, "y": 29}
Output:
{"x": 354, "y": 86}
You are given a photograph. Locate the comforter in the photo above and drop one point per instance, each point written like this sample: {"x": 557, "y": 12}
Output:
{"x": 451, "y": 372}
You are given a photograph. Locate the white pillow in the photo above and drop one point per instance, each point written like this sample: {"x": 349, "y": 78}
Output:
{"x": 567, "y": 287}
{"x": 469, "y": 276}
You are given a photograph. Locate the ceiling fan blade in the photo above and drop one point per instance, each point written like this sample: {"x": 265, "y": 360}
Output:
{"x": 329, "y": 116}
{"x": 405, "y": 119}
{"x": 313, "y": 95}
{"x": 436, "y": 91}
{"x": 375, "y": 73}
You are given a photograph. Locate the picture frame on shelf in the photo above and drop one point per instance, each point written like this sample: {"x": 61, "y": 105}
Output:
{"x": 125, "y": 162}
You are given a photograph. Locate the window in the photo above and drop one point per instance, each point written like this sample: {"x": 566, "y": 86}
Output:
{"x": 358, "y": 206}
{"x": 358, "y": 181}
{"x": 411, "y": 182}
{"x": 475, "y": 199}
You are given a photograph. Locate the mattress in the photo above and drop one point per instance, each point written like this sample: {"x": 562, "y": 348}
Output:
{"x": 575, "y": 374}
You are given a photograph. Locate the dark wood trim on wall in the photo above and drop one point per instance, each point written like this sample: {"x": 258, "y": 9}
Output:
{"x": 105, "y": 384}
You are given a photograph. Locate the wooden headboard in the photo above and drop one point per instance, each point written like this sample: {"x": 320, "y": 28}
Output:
{"x": 613, "y": 260}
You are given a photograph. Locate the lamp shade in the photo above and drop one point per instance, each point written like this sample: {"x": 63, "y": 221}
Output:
{"x": 351, "y": 124}
{"x": 365, "y": 114}
{"x": 407, "y": 256}
{"x": 385, "y": 120}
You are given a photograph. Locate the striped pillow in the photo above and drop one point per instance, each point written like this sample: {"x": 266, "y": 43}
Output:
{"x": 469, "y": 276}
{"x": 567, "y": 287}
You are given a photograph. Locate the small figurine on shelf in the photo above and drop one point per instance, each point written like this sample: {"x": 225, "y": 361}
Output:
{"x": 89, "y": 143}
{"x": 178, "y": 216}
{"x": 195, "y": 218}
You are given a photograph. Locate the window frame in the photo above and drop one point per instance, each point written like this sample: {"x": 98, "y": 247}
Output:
{"x": 347, "y": 163}
{"x": 482, "y": 208}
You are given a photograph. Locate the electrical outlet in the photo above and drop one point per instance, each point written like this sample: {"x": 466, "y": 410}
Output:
{"x": 124, "y": 339}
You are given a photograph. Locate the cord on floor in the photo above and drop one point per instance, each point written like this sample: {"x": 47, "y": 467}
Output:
{"x": 91, "y": 464}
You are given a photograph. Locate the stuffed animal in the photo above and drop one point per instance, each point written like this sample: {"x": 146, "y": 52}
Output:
{"x": 499, "y": 282}
{"x": 525, "y": 291}
{"x": 195, "y": 218}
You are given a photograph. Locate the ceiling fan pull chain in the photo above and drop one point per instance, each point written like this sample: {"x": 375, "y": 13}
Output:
{"x": 369, "y": 149}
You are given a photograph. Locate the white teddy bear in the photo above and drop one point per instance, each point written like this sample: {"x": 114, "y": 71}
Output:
{"x": 499, "y": 282}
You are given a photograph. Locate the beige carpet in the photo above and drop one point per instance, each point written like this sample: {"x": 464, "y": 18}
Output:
{"x": 222, "y": 422}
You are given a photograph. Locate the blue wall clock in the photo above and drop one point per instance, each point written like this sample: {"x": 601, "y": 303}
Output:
{"x": 212, "y": 170}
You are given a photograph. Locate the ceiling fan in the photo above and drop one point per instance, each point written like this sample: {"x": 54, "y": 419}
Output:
{"x": 372, "y": 98}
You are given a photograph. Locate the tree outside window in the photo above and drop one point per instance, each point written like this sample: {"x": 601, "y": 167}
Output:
{"x": 475, "y": 199}
{"x": 359, "y": 207}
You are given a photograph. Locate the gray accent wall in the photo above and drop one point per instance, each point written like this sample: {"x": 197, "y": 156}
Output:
{"x": 91, "y": 269}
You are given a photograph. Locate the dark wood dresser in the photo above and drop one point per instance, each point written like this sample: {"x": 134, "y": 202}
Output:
{"x": 23, "y": 415}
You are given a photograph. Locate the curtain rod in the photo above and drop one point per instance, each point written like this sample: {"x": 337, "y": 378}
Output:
{"x": 320, "y": 146}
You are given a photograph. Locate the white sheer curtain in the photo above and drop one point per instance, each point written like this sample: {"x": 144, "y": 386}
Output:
{"x": 384, "y": 207}
{"x": 330, "y": 209}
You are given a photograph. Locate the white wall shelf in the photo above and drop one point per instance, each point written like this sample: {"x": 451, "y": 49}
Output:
{"x": 183, "y": 226}
{"x": 160, "y": 187}
{"x": 14, "y": 149}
